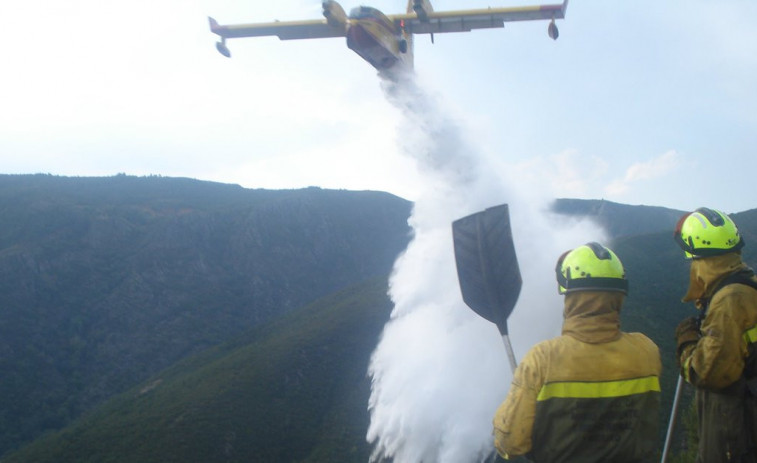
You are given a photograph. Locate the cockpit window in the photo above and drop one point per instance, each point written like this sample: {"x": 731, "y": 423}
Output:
{"x": 362, "y": 12}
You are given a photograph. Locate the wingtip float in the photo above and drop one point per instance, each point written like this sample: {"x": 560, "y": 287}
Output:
{"x": 386, "y": 41}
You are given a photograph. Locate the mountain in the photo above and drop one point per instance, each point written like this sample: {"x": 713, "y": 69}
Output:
{"x": 158, "y": 319}
{"x": 104, "y": 282}
{"x": 619, "y": 220}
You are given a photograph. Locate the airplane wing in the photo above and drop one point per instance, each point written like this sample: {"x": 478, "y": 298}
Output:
{"x": 467, "y": 20}
{"x": 284, "y": 30}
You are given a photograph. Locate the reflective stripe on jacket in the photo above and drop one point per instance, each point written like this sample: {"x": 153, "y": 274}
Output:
{"x": 590, "y": 395}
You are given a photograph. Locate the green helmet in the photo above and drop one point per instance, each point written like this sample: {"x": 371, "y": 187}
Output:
{"x": 707, "y": 232}
{"x": 591, "y": 267}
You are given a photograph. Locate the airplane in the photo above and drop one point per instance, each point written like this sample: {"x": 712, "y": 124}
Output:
{"x": 386, "y": 41}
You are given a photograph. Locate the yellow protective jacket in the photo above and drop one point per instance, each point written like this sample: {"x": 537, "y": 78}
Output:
{"x": 717, "y": 360}
{"x": 716, "y": 364}
{"x": 589, "y": 395}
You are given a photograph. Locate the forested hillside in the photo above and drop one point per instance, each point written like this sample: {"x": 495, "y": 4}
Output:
{"x": 106, "y": 281}
{"x": 294, "y": 390}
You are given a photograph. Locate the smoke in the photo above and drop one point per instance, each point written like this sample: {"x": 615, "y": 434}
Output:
{"x": 439, "y": 370}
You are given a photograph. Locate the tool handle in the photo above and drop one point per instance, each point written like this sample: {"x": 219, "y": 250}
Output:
{"x": 672, "y": 421}
{"x": 510, "y": 354}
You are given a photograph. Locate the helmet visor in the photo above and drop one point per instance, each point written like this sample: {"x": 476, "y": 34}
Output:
{"x": 678, "y": 236}
{"x": 562, "y": 281}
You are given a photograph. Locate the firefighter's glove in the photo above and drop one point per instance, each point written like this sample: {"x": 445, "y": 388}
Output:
{"x": 687, "y": 333}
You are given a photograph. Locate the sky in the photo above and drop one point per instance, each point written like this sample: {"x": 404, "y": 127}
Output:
{"x": 637, "y": 102}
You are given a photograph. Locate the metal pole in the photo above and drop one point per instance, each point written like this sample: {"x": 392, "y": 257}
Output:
{"x": 672, "y": 422}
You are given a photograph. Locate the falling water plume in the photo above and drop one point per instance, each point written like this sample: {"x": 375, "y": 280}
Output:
{"x": 439, "y": 370}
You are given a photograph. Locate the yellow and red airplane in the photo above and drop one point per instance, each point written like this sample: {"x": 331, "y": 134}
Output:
{"x": 386, "y": 41}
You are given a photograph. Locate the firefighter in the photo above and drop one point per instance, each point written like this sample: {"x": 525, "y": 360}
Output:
{"x": 716, "y": 350}
{"x": 593, "y": 393}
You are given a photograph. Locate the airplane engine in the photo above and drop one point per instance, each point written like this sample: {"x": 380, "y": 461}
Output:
{"x": 422, "y": 8}
{"x": 334, "y": 13}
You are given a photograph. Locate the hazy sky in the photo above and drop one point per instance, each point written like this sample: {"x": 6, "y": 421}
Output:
{"x": 638, "y": 102}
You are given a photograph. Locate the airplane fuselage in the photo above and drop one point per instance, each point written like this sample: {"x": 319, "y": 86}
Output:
{"x": 377, "y": 39}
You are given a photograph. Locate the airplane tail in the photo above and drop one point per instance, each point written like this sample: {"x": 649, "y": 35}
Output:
{"x": 213, "y": 24}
